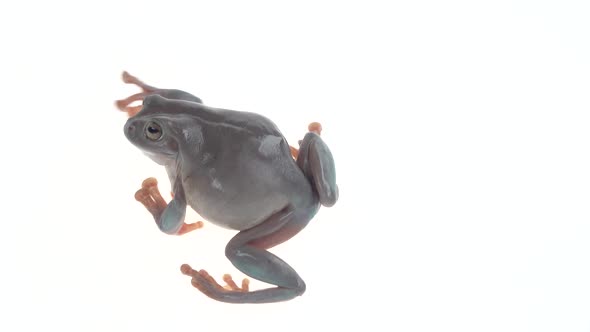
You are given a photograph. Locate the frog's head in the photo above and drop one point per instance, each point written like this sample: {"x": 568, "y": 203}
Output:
{"x": 154, "y": 130}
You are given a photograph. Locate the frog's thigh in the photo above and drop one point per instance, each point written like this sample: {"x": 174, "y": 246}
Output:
{"x": 247, "y": 252}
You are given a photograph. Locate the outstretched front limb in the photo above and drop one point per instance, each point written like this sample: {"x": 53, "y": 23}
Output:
{"x": 169, "y": 217}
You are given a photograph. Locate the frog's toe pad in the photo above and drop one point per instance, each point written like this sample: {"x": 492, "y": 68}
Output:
{"x": 186, "y": 270}
{"x": 127, "y": 78}
{"x": 121, "y": 104}
{"x": 149, "y": 182}
{"x": 315, "y": 127}
{"x": 150, "y": 197}
{"x": 144, "y": 197}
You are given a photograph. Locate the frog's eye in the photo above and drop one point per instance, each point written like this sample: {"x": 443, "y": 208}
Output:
{"x": 153, "y": 131}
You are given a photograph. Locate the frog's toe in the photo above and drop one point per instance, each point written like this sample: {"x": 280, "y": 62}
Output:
{"x": 151, "y": 186}
{"x": 121, "y": 104}
{"x": 127, "y": 78}
{"x": 186, "y": 270}
{"x": 315, "y": 127}
{"x": 130, "y": 79}
{"x": 187, "y": 228}
{"x": 204, "y": 282}
{"x": 149, "y": 182}
{"x": 231, "y": 285}
{"x": 144, "y": 197}
{"x": 189, "y": 271}
{"x": 203, "y": 276}
{"x": 232, "y": 293}
{"x": 150, "y": 197}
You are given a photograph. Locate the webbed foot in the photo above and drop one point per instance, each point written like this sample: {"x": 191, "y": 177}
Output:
{"x": 150, "y": 197}
{"x": 204, "y": 281}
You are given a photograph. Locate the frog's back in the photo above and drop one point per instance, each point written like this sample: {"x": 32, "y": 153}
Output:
{"x": 245, "y": 171}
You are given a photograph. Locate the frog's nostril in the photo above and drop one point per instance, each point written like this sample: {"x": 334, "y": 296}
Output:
{"x": 129, "y": 129}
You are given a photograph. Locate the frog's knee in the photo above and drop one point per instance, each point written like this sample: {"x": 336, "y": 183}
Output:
{"x": 230, "y": 251}
{"x": 329, "y": 196}
{"x": 300, "y": 289}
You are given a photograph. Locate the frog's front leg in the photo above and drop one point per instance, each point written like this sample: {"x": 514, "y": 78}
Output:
{"x": 247, "y": 252}
{"x": 169, "y": 217}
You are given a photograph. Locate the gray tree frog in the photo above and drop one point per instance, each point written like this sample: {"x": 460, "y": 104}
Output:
{"x": 236, "y": 170}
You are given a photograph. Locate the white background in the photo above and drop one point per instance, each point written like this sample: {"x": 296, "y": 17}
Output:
{"x": 460, "y": 131}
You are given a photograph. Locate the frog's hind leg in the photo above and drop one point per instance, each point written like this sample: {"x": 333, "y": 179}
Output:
{"x": 148, "y": 90}
{"x": 316, "y": 162}
{"x": 315, "y": 127}
{"x": 247, "y": 252}
{"x": 123, "y": 104}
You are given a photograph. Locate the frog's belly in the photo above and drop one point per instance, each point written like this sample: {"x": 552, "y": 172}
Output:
{"x": 236, "y": 211}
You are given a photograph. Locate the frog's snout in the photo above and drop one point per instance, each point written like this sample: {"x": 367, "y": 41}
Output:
{"x": 130, "y": 129}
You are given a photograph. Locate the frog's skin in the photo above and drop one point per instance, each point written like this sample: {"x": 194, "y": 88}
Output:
{"x": 237, "y": 171}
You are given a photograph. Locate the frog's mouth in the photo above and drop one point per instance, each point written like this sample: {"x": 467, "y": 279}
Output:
{"x": 160, "y": 158}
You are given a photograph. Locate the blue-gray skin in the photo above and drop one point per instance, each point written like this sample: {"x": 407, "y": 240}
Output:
{"x": 236, "y": 170}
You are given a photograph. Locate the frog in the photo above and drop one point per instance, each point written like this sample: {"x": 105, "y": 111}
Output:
{"x": 237, "y": 171}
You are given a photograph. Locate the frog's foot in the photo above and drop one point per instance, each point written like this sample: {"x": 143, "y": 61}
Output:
{"x": 150, "y": 197}
{"x": 123, "y": 104}
{"x": 187, "y": 228}
{"x": 207, "y": 284}
{"x": 314, "y": 127}
{"x": 130, "y": 79}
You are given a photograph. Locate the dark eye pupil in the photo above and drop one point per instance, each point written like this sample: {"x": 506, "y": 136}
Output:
{"x": 153, "y": 131}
